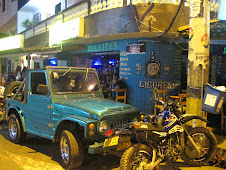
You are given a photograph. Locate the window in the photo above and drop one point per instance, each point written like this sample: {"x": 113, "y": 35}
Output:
{"x": 3, "y": 5}
{"x": 72, "y": 81}
{"x": 37, "y": 18}
{"x": 58, "y": 8}
{"x": 38, "y": 83}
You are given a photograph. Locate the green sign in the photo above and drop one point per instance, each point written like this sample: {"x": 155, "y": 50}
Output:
{"x": 224, "y": 50}
{"x": 103, "y": 47}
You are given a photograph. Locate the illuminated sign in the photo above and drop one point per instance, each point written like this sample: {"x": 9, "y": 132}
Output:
{"x": 63, "y": 31}
{"x": 224, "y": 52}
{"x": 13, "y": 42}
{"x": 103, "y": 47}
{"x": 222, "y": 10}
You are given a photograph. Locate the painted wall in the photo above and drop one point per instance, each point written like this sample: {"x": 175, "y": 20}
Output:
{"x": 133, "y": 68}
{"x": 8, "y": 15}
{"x": 153, "y": 18}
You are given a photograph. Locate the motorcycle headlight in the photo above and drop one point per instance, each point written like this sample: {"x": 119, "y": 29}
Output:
{"x": 103, "y": 127}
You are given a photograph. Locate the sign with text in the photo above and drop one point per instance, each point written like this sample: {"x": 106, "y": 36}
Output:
{"x": 103, "y": 47}
{"x": 63, "y": 31}
{"x": 136, "y": 48}
{"x": 13, "y": 42}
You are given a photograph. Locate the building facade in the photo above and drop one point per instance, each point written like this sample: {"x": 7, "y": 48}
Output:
{"x": 145, "y": 39}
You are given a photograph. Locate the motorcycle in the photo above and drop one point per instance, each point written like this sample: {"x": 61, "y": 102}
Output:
{"x": 162, "y": 138}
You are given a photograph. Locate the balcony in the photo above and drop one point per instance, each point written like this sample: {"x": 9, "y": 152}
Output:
{"x": 88, "y": 8}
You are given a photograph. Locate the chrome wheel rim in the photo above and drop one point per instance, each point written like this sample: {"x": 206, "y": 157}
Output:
{"x": 64, "y": 148}
{"x": 12, "y": 129}
{"x": 203, "y": 144}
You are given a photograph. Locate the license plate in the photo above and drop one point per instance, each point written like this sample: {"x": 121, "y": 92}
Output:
{"x": 111, "y": 141}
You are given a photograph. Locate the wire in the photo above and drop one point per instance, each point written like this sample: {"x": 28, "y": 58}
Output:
{"x": 181, "y": 2}
{"x": 147, "y": 25}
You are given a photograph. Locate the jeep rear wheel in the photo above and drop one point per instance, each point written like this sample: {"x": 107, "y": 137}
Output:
{"x": 15, "y": 130}
{"x": 71, "y": 150}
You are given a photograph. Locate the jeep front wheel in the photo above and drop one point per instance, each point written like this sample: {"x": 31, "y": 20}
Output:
{"x": 71, "y": 150}
{"x": 15, "y": 129}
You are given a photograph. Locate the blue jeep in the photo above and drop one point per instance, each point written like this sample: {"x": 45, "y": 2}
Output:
{"x": 65, "y": 105}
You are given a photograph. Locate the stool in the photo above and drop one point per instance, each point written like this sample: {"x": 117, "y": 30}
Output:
{"x": 160, "y": 95}
{"x": 123, "y": 97}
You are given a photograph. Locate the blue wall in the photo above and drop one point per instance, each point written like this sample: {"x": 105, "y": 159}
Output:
{"x": 139, "y": 87}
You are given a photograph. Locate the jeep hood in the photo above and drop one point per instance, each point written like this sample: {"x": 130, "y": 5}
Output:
{"x": 99, "y": 107}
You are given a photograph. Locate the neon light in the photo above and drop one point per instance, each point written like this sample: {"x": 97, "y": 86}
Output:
{"x": 97, "y": 63}
{"x": 224, "y": 50}
{"x": 13, "y": 42}
{"x": 53, "y": 62}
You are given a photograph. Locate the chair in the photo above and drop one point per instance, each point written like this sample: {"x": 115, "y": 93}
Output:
{"x": 119, "y": 96}
{"x": 182, "y": 99}
{"x": 223, "y": 120}
{"x": 160, "y": 95}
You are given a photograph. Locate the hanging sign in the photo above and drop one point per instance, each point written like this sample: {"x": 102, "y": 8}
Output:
{"x": 195, "y": 8}
{"x": 136, "y": 48}
{"x": 13, "y": 42}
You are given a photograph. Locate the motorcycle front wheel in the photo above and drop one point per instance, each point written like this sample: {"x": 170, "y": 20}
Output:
{"x": 207, "y": 144}
{"x": 137, "y": 157}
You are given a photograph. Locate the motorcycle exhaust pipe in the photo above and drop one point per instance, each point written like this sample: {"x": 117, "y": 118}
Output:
{"x": 153, "y": 162}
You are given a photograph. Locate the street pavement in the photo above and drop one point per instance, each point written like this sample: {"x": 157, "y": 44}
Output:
{"x": 40, "y": 154}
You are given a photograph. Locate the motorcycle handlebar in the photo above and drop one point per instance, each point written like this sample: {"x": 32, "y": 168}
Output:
{"x": 159, "y": 101}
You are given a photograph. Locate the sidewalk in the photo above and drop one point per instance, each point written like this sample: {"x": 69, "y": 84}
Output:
{"x": 221, "y": 148}
{"x": 221, "y": 141}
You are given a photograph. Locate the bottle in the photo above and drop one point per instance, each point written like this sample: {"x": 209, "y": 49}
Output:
{"x": 152, "y": 67}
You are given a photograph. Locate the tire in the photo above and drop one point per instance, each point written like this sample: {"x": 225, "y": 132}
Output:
{"x": 71, "y": 150}
{"x": 2, "y": 118}
{"x": 139, "y": 151}
{"x": 15, "y": 130}
{"x": 204, "y": 139}
{"x": 12, "y": 88}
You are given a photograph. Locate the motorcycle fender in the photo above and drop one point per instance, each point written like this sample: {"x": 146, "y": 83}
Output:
{"x": 187, "y": 118}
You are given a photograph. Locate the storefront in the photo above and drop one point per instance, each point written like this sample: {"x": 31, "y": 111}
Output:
{"x": 143, "y": 64}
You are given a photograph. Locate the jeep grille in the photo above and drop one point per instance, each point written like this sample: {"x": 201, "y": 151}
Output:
{"x": 120, "y": 109}
{"x": 120, "y": 122}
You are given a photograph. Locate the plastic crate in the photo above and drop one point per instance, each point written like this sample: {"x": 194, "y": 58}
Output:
{"x": 213, "y": 99}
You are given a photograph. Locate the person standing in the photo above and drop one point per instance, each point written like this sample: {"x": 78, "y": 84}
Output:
{"x": 18, "y": 73}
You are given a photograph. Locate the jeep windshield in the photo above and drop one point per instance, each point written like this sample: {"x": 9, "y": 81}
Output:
{"x": 74, "y": 81}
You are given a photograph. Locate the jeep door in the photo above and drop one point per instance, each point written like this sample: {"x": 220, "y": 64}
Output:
{"x": 39, "y": 103}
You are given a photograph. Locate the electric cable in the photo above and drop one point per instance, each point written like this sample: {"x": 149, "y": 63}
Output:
{"x": 181, "y": 2}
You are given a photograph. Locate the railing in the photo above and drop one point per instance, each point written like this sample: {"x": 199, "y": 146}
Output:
{"x": 82, "y": 10}
{"x": 101, "y": 5}
{"x": 214, "y": 4}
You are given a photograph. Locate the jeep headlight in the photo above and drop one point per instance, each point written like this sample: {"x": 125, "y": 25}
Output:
{"x": 103, "y": 127}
